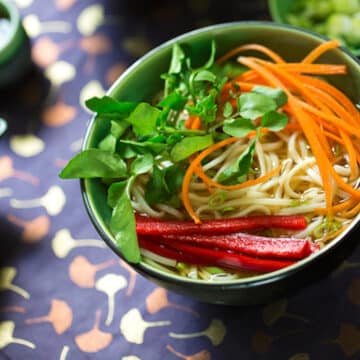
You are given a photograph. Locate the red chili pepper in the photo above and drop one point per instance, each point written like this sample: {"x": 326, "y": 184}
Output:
{"x": 204, "y": 256}
{"x": 150, "y": 226}
{"x": 288, "y": 248}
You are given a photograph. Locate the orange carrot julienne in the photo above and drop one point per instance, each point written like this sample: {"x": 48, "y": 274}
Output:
{"x": 306, "y": 124}
{"x": 335, "y": 93}
{"x": 319, "y": 50}
{"x": 256, "y": 47}
{"x": 196, "y": 123}
{"x": 193, "y": 122}
{"x": 316, "y": 69}
{"x": 200, "y": 172}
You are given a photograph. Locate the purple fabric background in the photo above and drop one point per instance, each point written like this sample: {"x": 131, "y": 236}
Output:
{"x": 319, "y": 322}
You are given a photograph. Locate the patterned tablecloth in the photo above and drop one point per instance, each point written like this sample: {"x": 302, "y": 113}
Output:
{"x": 63, "y": 293}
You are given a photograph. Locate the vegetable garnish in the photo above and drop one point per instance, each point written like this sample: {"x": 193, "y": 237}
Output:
{"x": 242, "y": 163}
{"x": 258, "y": 246}
{"x": 150, "y": 226}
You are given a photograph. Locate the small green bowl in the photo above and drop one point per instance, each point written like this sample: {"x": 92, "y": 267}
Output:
{"x": 15, "y": 54}
{"x": 142, "y": 80}
{"x": 279, "y": 10}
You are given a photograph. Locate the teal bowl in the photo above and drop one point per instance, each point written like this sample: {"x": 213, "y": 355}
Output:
{"x": 142, "y": 80}
{"x": 15, "y": 53}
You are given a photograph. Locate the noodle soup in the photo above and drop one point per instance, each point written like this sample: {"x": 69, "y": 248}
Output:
{"x": 243, "y": 170}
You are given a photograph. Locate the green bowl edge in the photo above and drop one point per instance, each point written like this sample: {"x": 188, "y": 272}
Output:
{"x": 17, "y": 34}
{"x": 145, "y": 268}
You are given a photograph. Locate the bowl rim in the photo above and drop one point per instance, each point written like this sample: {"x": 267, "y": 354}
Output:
{"x": 16, "y": 34}
{"x": 247, "y": 282}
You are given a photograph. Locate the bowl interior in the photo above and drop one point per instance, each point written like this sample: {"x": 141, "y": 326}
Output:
{"x": 142, "y": 80}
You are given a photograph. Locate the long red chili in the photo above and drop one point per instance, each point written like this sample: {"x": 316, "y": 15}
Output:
{"x": 204, "y": 256}
{"x": 285, "y": 248}
{"x": 150, "y": 226}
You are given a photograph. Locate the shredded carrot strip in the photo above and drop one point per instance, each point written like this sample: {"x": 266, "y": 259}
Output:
{"x": 351, "y": 213}
{"x": 335, "y": 93}
{"x": 257, "y": 47}
{"x": 333, "y": 235}
{"x": 307, "y": 125}
{"x": 339, "y": 207}
{"x": 335, "y": 120}
{"x": 319, "y": 50}
{"x": 337, "y": 108}
{"x": 248, "y": 183}
{"x": 191, "y": 170}
{"x": 193, "y": 122}
{"x": 196, "y": 123}
{"x": 316, "y": 69}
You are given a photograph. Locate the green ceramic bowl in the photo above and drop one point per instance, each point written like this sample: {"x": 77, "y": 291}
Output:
{"x": 142, "y": 80}
{"x": 279, "y": 10}
{"x": 15, "y": 56}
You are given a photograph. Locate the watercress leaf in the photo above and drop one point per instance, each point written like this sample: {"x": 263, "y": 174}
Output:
{"x": 107, "y": 104}
{"x": 143, "y": 119}
{"x": 108, "y": 143}
{"x": 252, "y": 105}
{"x": 238, "y": 127}
{"x": 230, "y": 69}
{"x": 115, "y": 192}
{"x": 189, "y": 145}
{"x": 156, "y": 190}
{"x": 173, "y": 101}
{"x": 205, "y": 75}
{"x": 228, "y": 110}
{"x": 173, "y": 138}
{"x": 278, "y": 95}
{"x": 274, "y": 120}
{"x": 246, "y": 159}
{"x": 123, "y": 227}
{"x": 118, "y": 127}
{"x": 177, "y": 59}
{"x": 142, "y": 164}
{"x": 173, "y": 177}
{"x": 94, "y": 163}
{"x": 146, "y": 145}
{"x": 239, "y": 167}
{"x": 206, "y": 108}
{"x": 126, "y": 151}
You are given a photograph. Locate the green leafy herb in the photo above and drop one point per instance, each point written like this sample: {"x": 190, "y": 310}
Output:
{"x": 238, "y": 127}
{"x": 143, "y": 119}
{"x": 142, "y": 146}
{"x": 228, "y": 110}
{"x": 108, "y": 105}
{"x": 115, "y": 191}
{"x": 278, "y": 95}
{"x": 252, "y": 105}
{"x": 142, "y": 164}
{"x": 173, "y": 101}
{"x": 95, "y": 163}
{"x": 190, "y": 145}
{"x": 123, "y": 227}
{"x": 240, "y": 167}
{"x": 274, "y": 121}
